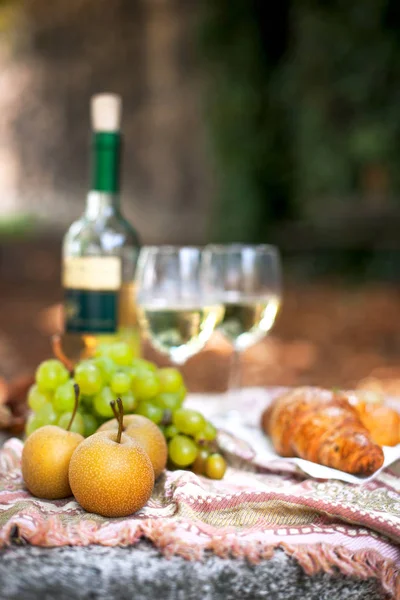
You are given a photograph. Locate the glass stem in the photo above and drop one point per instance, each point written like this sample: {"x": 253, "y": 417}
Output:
{"x": 235, "y": 373}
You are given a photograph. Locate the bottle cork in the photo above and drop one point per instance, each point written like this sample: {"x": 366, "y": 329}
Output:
{"x": 105, "y": 112}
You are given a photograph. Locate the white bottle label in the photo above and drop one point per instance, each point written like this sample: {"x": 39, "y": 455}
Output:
{"x": 92, "y": 273}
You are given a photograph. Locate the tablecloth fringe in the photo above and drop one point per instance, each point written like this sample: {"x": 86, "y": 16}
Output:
{"x": 364, "y": 564}
{"x": 169, "y": 538}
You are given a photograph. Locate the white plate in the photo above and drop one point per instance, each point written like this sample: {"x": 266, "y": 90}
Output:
{"x": 239, "y": 414}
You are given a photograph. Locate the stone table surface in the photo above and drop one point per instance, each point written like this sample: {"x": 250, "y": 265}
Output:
{"x": 141, "y": 573}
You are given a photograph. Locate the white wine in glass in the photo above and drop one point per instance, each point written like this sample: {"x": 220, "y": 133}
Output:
{"x": 180, "y": 330}
{"x": 177, "y": 315}
{"x": 247, "y": 320}
{"x": 247, "y": 279}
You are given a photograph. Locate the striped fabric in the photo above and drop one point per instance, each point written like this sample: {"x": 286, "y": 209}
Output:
{"x": 325, "y": 525}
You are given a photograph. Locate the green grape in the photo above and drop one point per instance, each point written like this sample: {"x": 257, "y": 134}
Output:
{"x": 188, "y": 421}
{"x": 215, "y": 466}
{"x": 78, "y": 425}
{"x": 106, "y": 366}
{"x": 50, "y": 374}
{"x": 64, "y": 375}
{"x": 181, "y": 393}
{"x": 47, "y": 414}
{"x": 207, "y": 434}
{"x": 120, "y": 383}
{"x": 131, "y": 371}
{"x": 152, "y": 412}
{"x": 128, "y": 402}
{"x": 199, "y": 465}
{"x": 170, "y": 380}
{"x": 171, "y": 431}
{"x": 182, "y": 450}
{"x": 32, "y": 424}
{"x": 145, "y": 385}
{"x": 36, "y": 398}
{"x": 167, "y": 400}
{"x": 102, "y": 349}
{"x": 64, "y": 397}
{"x": 140, "y": 364}
{"x": 121, "y": 353}
{"x": 101, "y": 403}
{"x": 88, "y": 377}
{"x": 91, "y": 424}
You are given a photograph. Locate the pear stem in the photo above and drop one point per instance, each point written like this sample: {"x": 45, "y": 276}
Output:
{"x": 119, "y": 415}
{"x": 77, "y": 392}
{"x": 120, "y": 419}
{"x": 59, "y": 353}
{"x": 114, "y": 409}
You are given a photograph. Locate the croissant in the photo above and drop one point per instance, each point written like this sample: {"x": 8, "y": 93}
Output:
{"x": 382, "y": 422}
{"x": 321, "y": 426}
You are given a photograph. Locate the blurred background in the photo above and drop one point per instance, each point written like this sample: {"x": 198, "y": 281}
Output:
{"x": 243, "y": 121}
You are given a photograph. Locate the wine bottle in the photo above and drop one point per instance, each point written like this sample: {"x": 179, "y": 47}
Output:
{"x": 100, "y": 250}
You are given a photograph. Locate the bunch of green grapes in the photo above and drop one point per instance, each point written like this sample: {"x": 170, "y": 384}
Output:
{"x": 157, "y": 394}
{"x": 192, "y": 443}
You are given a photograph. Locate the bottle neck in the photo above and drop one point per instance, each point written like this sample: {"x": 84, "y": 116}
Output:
{"x": 106, "y": 148}
{"x": 103, "y": 198}
{"x": 101, "y": 205}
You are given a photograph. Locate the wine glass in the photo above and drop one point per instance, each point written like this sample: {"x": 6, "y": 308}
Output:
{"x": 249, "y": 286}
{"x": 178, "y": 311}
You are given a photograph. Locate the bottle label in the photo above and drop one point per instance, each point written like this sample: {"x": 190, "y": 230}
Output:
{"x": 92, "y": 286}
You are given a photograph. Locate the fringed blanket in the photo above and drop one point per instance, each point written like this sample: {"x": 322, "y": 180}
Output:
{"x": 326, "y": 525}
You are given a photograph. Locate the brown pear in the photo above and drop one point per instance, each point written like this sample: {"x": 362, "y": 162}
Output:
{"x": 45, "y": 459}
{"x": 111, "y": 474}
{"x": 147, "y": 434}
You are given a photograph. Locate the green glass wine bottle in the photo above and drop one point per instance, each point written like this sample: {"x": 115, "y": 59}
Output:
{"x": 100, "y": 250}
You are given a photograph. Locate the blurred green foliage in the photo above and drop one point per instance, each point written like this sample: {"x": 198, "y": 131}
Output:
{"x": 308, "y": 119}
{"x": 247, "y": 123}
{"x": 343, "y": 71}
{"x": 17, "y": 226}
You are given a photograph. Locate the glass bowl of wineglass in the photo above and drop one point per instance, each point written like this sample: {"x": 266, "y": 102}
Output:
{"x": 248, "y": 279}
{"x": 178, "y": 309}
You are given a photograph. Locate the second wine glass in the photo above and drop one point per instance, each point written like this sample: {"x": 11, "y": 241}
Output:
{"x": 178, "y": 309}
{"x": 249, "y": 286}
